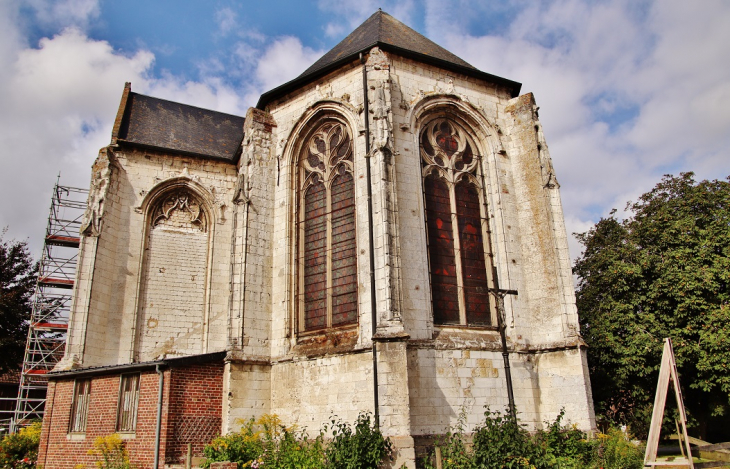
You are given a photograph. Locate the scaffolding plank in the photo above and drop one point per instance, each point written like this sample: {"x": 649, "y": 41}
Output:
{"x": 67, "y": 241}
{"x": 49, "y": 319}
{"x": 56, "y": 282}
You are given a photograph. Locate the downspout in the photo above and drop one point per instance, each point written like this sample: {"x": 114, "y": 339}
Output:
{"x": 244, "y": 266}
{"x": 368, "y": 181}
{"x": 231, "y": 285}
{"x": 505, "y": 352}
{"x": 501, "y": 326}
{"x": 158, "y": 428}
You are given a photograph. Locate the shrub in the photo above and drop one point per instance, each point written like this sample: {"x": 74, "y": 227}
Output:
{"x": 503, "y": 442}
{"x": 287, "y": 447}
{"x": 242, "y": 447}
{"x": 266, "y": 443}
{"x": 564, "y": 446}
{"x": 455, "y": 453}
{"x": 359, "y": 447}
{"x": 614, "y": 450}
{"x": 110, "y": 452}
{"x": 20, "y": 450}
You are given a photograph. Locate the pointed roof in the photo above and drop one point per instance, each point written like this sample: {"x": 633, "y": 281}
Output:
{"x": 389, "y": 34}
{"x": 381, "y": 29}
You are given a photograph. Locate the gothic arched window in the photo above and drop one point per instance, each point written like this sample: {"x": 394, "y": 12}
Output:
{"x": 327, "y": 251}
{"x": 456, "y": 224}
{"x": 172, "y": 306}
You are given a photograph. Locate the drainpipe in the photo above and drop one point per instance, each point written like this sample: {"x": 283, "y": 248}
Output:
{"x": 158, "y": 428}
{"x": 499, "y": 295}
{"x": 505, "y": 352}
{"x": 373, "y": 305}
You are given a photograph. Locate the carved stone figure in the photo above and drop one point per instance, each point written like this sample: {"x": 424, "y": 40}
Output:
{"x": 92, "y": 219}
{"x": 379, "y": 98}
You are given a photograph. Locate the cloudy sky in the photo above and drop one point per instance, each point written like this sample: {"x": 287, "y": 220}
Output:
{"x": 628, "y": 90}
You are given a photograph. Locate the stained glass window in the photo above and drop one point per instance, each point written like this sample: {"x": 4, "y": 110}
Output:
{"x": 327, "y": 248}
{"x": 456, "y": 226}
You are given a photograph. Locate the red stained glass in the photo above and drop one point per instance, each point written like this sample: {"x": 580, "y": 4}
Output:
{"x": 447, "y": 143}
{"x": 444, "y": 288}
{"x": 344, "y": 260}
{"x": 329, "y": 253}
{"x": 315, "y": 259}
{"x": 474, "y": 274}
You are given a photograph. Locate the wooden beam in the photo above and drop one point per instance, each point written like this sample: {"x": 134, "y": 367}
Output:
{"x": 667, "y": 373}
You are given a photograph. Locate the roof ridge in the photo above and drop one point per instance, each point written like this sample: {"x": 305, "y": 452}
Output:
{"x": 186, "y": 105}
{"x": 391, "y": 35}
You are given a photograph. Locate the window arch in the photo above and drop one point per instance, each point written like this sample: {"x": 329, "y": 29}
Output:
{"x": 327, "y": 251}
{"x": 456, "y": 224}
{"x": 172, "y": 309}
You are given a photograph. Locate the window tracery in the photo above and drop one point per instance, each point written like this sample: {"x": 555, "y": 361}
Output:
{"x": 456, "y": 225}
{"x": 180, "y": 209}
{"x": 326, "y": 227}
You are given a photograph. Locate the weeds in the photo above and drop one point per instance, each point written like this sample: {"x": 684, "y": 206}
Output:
{"x": 503, "y": 442}
{"x": 267, "y": 443}
{"x": 110, "y": 452}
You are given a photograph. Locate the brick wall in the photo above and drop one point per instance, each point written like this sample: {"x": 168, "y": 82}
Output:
{"x": 59, "y": 449}
{"x": 191, "y": 391}
{"x": 196, "y": 396}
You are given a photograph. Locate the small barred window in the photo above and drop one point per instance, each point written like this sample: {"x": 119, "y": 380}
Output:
{"x": 80, "y": 406}
{"x": 128, "y": 403}
{"x": 456, "y": 225}
{"x": 326, "y": 225}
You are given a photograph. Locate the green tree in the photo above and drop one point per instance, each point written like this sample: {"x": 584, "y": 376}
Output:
{"x": 17, "y": 282}
{"x": 663, "y": 272}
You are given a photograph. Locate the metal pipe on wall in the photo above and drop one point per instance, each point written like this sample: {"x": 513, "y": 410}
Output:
{"x": 368, "y": 181}
{"x": 158, "y": 427}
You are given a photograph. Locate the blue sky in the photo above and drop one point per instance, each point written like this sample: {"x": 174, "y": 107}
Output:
{"x": 628, "y": 90}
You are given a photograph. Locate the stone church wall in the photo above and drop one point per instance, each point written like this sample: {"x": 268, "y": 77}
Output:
{"x": 116, "y": 263}
{"x": 309, "y": 393}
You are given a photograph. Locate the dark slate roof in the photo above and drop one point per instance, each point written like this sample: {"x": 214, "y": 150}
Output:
{"x": 383, "y": 29}
{"x": 168, "y": 126}
{"x": 390, "y": 35}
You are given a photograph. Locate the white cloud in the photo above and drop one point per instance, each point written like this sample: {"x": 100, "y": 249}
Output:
{"x": 627, "y": 91}
{"x": 58, "y": 103}
{"x": 227, "y": 20}
{"x": 64, "y": 13}
{"x": 58, "y": 99}
{"x": 284, "y": 60}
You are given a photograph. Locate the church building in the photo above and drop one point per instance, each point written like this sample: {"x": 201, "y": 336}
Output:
{"x": 382, "y": 234}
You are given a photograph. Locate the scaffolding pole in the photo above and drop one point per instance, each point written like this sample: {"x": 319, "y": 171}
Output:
{"x": 48, "y": 323}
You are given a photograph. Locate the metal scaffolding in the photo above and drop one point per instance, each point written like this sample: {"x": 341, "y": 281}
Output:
{"x": 52, "y": 302}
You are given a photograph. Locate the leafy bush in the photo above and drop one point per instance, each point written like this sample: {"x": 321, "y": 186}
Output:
{"x": 564, "y": 446}
{"x": 268, "y": 444}
{"x": 455, "y": 452}
{"x": 614, "y": 450}
{"x": 360, "y": 447}
{"x": 20, "y": 450}
{"x": 242, "y": 447}
{"x": 286, "y": 448}
{"x": 502, "y": 442}
{"x": 110, "y": 452}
